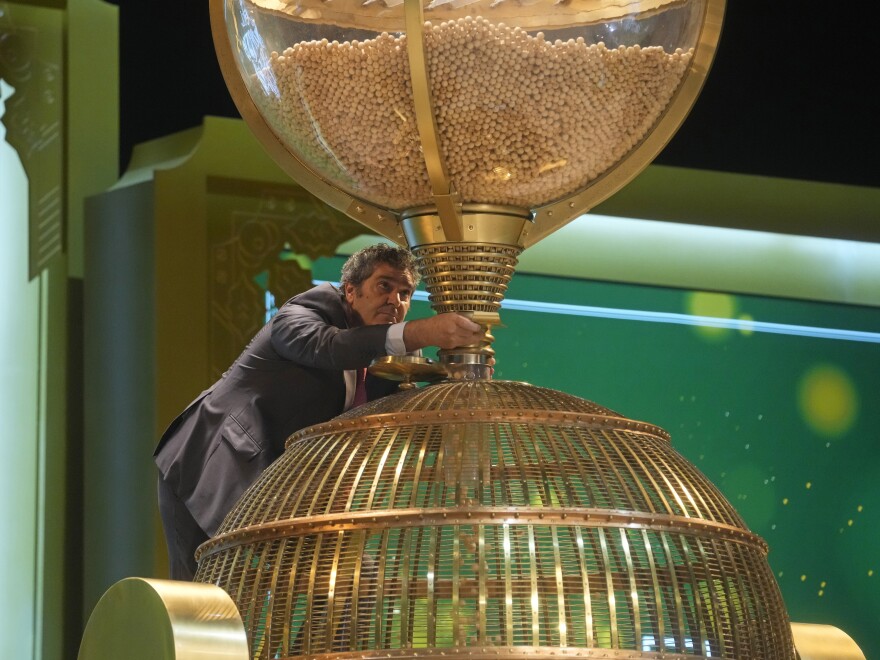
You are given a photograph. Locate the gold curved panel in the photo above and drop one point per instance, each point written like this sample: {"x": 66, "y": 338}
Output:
{"x": 815, "y": 641}
{"x": 141, "y": 619}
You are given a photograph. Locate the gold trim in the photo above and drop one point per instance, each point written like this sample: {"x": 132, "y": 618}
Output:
{"x": 479, "y": 223}
{"x": 422, "y": 417}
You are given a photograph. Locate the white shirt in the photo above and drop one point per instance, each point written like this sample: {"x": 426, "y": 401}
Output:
{"x": 393, "y": 346}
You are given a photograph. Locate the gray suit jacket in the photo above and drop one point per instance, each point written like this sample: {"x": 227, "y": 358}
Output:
{"x": 289, "y": 377}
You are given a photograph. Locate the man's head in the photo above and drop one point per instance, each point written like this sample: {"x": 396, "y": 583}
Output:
{"x": 378, "y": 282}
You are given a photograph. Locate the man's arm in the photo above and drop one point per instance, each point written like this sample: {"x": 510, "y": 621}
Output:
{"x": 448, "y": 330}
{"x": 305, "y": 336}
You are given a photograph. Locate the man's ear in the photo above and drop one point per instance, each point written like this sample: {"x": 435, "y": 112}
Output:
{"x": 349, "y": 290}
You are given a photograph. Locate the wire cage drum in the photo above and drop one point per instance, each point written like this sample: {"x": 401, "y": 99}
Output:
{"x": 488, "y": 519}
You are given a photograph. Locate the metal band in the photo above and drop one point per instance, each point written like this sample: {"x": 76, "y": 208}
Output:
{"x": 421, "y": 417}
{"x": 401, "y": 518}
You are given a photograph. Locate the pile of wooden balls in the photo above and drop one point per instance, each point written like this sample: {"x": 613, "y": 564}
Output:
{"x": 522, "y": 120}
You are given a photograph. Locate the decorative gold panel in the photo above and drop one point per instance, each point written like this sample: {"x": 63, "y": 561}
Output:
{"x": 261, "y": 240}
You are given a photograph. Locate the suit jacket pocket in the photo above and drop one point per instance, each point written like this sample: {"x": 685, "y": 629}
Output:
{"x": 239, "y": 439}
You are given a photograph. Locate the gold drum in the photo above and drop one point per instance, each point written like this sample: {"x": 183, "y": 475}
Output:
{"x": 493, "y": 519}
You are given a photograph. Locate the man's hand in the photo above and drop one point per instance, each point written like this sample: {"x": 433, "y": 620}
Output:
{"x": 448, "y": 330}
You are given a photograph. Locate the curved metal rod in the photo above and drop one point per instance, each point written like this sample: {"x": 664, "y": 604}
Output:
{"x": 445, "y": 197}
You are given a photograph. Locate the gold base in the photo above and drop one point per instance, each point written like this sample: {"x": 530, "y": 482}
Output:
{"x": 141, "y": 619}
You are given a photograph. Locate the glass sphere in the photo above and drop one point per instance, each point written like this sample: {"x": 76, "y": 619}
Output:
{"x": 528, "y": 103}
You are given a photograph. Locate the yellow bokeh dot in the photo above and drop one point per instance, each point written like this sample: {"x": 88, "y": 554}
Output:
{"x": 747, "y": 328}
{"x": 859, "y": 508}
{"x": 821, "y": 592}
{"x": 849, "y": 522}
{"x": 809, "y": 485}
{"x": 870, "y": 572}
{"x": 785, "y": 501}
{"x": 823, "y": 584}
{"x": 803, "y": 578}
{"x": 713, "y": 305}
{"x": 828, "y": 400}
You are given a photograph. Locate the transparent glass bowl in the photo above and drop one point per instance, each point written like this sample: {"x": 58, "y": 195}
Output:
{"x": 528, "y": 104}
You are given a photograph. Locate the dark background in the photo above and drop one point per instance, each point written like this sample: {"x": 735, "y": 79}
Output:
{"x": 792, "y": 92}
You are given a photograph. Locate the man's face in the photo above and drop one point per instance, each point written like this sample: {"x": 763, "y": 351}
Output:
{"x": 384, "y": 297}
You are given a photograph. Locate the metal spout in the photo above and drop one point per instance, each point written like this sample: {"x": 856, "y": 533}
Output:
{"x": 470, "y": 276}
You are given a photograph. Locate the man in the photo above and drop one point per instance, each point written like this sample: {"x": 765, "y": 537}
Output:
{"x": 299, "y": 370}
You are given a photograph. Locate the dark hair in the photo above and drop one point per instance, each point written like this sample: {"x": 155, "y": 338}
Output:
{"x": 359, "y": 266}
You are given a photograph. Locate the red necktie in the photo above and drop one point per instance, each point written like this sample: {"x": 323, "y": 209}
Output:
{"x": 360, "y": 388}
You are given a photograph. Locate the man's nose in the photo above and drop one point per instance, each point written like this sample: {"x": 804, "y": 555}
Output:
{"x": 394, "y": 298}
